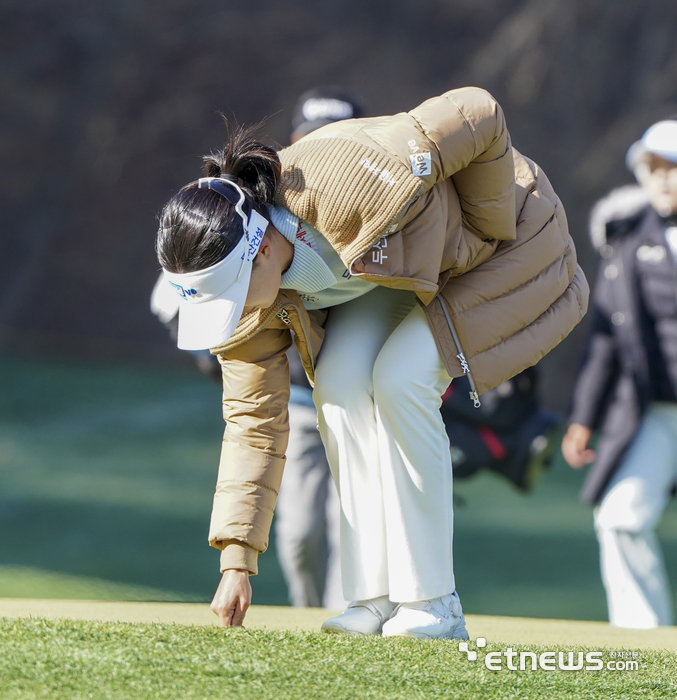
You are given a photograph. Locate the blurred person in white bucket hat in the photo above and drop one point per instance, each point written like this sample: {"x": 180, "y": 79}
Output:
{"x": 400, "y": 251}
{"x": 653, "y": 159}
{"x": 627, "y": 386}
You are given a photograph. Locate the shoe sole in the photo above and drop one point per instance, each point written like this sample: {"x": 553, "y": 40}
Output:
{"x": 354, "y": 633}
{"x": 413, "y": 635}
{"x": 460, "y": 634}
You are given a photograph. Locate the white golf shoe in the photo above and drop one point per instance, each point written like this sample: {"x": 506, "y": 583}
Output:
{"x": 440, "y": 618}
{"x": 361, "y": 617}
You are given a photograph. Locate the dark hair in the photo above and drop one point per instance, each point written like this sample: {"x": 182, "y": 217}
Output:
{"x": 199, "y": 227}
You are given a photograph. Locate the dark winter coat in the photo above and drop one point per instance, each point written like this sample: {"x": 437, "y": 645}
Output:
{"x": 617, "y": 380}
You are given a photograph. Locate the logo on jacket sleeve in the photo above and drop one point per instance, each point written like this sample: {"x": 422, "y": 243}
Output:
{"x": 421, "y": 163}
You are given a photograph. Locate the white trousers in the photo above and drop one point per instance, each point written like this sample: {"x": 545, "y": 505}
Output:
{"x": 307, "y": 518}
{"x": 638, "y": 593}
{"x": 379, "y": 383}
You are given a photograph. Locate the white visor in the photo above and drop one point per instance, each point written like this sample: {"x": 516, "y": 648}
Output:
{"x": 212, "y": 300}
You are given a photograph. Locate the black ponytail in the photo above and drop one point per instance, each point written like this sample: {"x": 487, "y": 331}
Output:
{"x": 199, "y": 227}
{"x": 245, "y": 157}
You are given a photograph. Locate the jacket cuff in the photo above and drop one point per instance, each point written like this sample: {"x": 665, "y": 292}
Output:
{"x": 238, "y": 555}
{"x": 582, "y": 419}
{"x": 585, "y": 415}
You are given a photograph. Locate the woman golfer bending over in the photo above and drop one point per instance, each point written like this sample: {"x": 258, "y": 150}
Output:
{"x": 398, "y": 252}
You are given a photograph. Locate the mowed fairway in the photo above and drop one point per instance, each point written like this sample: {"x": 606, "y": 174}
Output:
{"x": 274, "y": 658}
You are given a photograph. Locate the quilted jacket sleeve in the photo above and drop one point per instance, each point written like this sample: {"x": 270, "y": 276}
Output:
{"x": 255, "y": 408}
{"x": 469, "y": 143}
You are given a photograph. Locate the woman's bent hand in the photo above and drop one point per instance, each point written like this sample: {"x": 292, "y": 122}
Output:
{"x": 232, "y": 598}
{"x": 575, "y": 446}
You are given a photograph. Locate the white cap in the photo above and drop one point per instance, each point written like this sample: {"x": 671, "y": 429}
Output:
{"x": 659, "y": 139}
{"x": 212, "y": 300}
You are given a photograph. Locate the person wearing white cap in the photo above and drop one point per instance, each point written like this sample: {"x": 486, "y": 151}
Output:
{"x": 627, "y": 385}
{"x": 400, "y": 252}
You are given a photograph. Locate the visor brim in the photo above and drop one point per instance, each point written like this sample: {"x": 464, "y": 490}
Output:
{"x": 208, "y": 325}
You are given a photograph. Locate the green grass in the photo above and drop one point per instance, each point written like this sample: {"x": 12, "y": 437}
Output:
{"x": 107, "y": 476}
{"x": 67, "y": 660}
{"x": 27, "y": 582}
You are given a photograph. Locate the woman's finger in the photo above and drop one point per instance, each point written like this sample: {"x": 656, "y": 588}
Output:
{"x": 226, "y": 616}
{"x": 238, "y": 614}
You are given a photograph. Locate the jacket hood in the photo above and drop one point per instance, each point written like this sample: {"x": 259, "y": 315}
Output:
{"x": 620, "y": 204}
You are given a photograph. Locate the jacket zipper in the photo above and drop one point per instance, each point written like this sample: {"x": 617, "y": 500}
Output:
{"x": 305, "y": 330}
{"x": 474, "y": 396}
{"x": 284, "y": 307}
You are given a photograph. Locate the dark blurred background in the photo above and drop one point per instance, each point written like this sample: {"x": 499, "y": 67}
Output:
{"x": 107, "y": 108}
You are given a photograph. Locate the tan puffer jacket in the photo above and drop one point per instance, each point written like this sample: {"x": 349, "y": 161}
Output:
{"x": 435, "y": 201}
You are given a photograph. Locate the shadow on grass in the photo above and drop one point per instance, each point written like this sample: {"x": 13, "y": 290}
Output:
{"x": 498, "y": 572}
{"x": 503, "y": 572}
{"x": 124, "y": 545}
